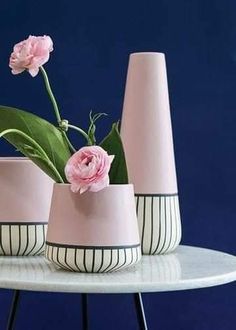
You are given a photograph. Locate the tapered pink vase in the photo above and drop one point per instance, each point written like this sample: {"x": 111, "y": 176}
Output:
{"x": 24, "y": 207}
{"x": 93, "y": 232}
{"x": 147, "y": 136}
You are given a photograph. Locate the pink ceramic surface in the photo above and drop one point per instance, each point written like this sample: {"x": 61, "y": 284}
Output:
{"x": 25, "y": 191}
{"x": 104, "y": 218}
{"x": 146, "y": 126}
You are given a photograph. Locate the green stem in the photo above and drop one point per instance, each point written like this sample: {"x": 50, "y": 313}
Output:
{"x": 50, "y": 93}
{"x": 69, "y": 143}
{"x": 55, "y": 106}
{"x": 82, "y": 132}
{"x": 35, "y": 144}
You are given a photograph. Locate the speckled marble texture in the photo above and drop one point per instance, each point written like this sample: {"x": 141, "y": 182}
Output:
{"x": 187, "y": 268}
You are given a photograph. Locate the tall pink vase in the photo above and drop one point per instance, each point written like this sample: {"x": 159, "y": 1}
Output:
{"x": 24, "y": 207}
{"x": 93, "y": 232}
{"x": 147, "y": 136}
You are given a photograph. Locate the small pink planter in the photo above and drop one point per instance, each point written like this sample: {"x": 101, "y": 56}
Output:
{"x": 93, "y": 232}
{"x": 24, "y": 206}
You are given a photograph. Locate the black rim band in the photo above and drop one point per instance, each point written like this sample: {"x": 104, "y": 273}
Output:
{"x": 99, "y": 247}
{"x": 22, "y": 223}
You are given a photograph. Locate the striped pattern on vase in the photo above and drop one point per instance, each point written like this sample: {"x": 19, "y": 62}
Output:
{"x": 92, "y": 259}
{"x": 22, "y": 239}
{"x": 159, "y": 222}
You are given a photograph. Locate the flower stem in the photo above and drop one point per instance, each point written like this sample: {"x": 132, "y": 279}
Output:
{"x": 50, "y": 93}
{"x": 82, "y": 132}
{"x": 55, "y": 106}
{"x": 69, "y": 143}
{"x": 57, "y": 112}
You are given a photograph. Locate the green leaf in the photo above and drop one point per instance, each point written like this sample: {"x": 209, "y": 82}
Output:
{"x": 32, "y": 150}
{"x": 113, "y": 145}
{"x": 45, "y": 135}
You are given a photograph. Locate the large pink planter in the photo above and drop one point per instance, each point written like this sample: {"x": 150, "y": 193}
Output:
{"x": 93, "y": 232}
{"x": 24, "y": 207}
{"x": 147, "y": 136}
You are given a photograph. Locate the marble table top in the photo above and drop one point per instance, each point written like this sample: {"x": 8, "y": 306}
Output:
{"x": 187, "y": 268}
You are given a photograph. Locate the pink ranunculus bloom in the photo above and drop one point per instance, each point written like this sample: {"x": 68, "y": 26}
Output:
{"x": 88, "y": 169}
{"x": 30, "y": 54}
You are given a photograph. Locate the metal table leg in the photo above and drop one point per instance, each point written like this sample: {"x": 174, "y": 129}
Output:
{"x": 13, "y": 310}
{"x": 85, "y": 318}
{"x": 140, "y": 311}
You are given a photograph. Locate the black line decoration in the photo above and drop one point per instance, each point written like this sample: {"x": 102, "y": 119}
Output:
{"x": 92, "y": 259}
{"x": 22, "y": 238}
{"x": 159, "y": 222}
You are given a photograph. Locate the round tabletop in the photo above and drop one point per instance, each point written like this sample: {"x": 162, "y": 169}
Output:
{"x": 187, "y": 268}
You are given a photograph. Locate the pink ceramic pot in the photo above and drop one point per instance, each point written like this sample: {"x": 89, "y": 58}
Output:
{"x": 24, "y": 207}
{"x": 93, "y": 232}
{"x": 147, "y": 136}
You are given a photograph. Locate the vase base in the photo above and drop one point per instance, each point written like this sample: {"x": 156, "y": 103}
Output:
{"x": 22, "y": 238}
{"x": 159, "y": 222}
{"x": 92, "y": 259}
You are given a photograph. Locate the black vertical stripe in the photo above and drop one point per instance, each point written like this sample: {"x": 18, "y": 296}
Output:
{"x": 58, "y": 259}
{"x": 52, "y": 252}
{"x": 35, "y": 241}
{"x": 132, "y": 256}
{"x": 178, "y": 222}
{"x": 110, "y": 263}
{"x": 124, "y": 262}
{"x": 65, "y": 260}
{"x": 93, "y": 260}
{"x": 99, "y": 269}
{"x": 137, "y": 204}
{"x": 18, "y": 251}
{"x": 137, "y": 255}
{"x": 164, "y": 250}
{"x": 171, "y": 226}
{"x": 143, "y": 223}
{"x": 176, "y": 225}
{"x": 136, "y": 259}
{"x": 118, "y": 261}
{"x": 84, "y": 261}
{"x": 3, "y": 252}
{"x": 10, "y": 239}
{"x": 41, "y": 248}
{"x": 160, "y": 226}
{"x": 151, "y": 242}
{"x": 165, "y": 230}
{"x": 46, "y": 253}
{"x": 76, "y": 260}
{"x": 27, "y": 240}
{"x": 175, "y": 236}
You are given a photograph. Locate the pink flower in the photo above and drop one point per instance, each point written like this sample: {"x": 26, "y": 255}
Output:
{"x": 88, "y": 169}
{"x": 30, "y": 54}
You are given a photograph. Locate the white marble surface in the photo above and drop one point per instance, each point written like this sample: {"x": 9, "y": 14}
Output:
{"x": 187, "y": 268}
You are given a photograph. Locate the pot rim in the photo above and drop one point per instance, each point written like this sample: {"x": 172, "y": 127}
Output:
{"x": 147, "y": 53}
{"x": 14, "y": 159}
{"x": 110, "y": 185}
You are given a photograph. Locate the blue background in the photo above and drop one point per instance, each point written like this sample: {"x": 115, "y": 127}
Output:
{"x": 87, "y": 69}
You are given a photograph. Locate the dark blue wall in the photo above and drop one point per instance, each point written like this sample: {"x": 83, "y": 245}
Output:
{"x": 87, "y": 69}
